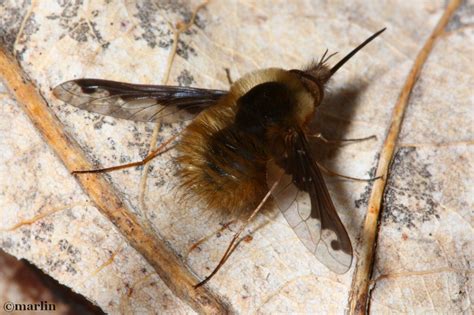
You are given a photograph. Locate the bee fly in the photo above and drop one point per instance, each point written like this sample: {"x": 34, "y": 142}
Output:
{"x": 242, "y": 146}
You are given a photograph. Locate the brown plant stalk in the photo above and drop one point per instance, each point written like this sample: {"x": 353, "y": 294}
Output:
{"x": 359, "y": 294}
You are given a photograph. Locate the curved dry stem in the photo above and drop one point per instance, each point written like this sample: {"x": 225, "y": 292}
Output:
{"x": 359, "y": 294}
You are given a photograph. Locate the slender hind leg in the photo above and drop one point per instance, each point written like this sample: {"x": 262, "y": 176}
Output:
{"x": 332, "y": 173}
{"x": 148, "y": 158}
{"x": 233, "y": 245}
{"x": 335, "y": 141}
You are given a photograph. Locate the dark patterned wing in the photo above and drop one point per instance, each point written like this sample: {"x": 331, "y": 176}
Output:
{"x": 136, "y": 101}
{"x": 304, "y": 200}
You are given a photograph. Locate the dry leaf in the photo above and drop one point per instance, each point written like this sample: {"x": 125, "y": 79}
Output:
{"x": 424, "y": 249}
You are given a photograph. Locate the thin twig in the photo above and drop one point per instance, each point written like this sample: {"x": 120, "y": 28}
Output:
{"x": 359, "y": 294}
{"x": 22, "y": 26}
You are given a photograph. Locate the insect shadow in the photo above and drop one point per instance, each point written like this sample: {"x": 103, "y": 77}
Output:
{"x": 333, "y": 119}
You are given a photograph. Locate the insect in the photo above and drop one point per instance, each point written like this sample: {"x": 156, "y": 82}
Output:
{"x": 242, "y": 146}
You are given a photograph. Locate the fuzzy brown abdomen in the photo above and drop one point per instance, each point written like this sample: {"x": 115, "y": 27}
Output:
{"x": 224, "y": 151}
{"x": 224, "y": 168}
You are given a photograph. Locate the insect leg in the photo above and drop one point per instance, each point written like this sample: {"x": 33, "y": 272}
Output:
{"x": 332, "y": 173}
{"x": 229, "y": 78}
{"x": 335, "y": 141}
{"x": 148, "y": 158}
{"x": 233, "y": 244}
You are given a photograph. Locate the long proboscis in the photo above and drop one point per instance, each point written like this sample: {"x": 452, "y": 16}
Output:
{"x": 354, "y": 51}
